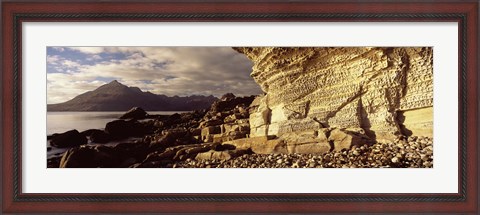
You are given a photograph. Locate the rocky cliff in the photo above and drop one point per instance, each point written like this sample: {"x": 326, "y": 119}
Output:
{"x": 381, "y": 92}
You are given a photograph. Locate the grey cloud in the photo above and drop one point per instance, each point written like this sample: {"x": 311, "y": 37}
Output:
{"x": 171, "y": 71}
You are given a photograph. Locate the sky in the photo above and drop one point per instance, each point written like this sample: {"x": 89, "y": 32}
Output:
{"x": 170, "y": 71}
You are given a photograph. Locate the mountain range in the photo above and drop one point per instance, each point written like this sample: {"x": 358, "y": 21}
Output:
{"x": 115, "y": 96}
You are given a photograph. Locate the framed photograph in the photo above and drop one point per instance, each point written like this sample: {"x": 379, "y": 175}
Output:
{"x": 226, "y": 107}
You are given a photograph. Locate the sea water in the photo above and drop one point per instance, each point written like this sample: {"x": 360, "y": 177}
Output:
{"x": 59, "y": 122}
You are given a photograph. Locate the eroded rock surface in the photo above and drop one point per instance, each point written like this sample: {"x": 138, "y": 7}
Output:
{"x": 384, "y": 91}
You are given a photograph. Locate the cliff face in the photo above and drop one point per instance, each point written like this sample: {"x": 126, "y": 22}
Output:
{"x": 383, "y": 91}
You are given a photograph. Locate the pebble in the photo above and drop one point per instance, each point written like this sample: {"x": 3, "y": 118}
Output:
{"x": 395, "y": 160}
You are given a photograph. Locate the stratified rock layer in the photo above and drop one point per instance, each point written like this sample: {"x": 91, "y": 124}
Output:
{"x": 383, "y": 91}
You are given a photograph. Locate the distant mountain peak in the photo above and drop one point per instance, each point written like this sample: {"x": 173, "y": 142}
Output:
{"x": 115, "y": 82}
{"x": 113, "y": 85}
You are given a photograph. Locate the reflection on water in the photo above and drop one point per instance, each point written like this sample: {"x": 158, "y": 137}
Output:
{"x": 59, "y": 122}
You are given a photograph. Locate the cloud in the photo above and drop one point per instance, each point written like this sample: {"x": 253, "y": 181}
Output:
{"x": 162, "y": 70}
{"x": 53, "y": 59}
{"x": 70, "y": 64}
{"x": 64, "y": 86}
{"x": 60, "y": 49}
{"x": 94, "y": 57}
{"x": 89, "y": 50}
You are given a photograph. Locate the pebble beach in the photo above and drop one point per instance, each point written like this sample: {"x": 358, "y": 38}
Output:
{"x": 413, "y": 152}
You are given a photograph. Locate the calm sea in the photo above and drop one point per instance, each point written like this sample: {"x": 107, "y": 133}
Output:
{"x": 59, "y": 122}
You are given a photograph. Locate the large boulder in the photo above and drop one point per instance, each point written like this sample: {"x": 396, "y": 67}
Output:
{"x": 135, "y": 113}
{"x": 123, "y": 129}
{"x": 135, "y": 150}
{"x": 68, "y": 139}
{"x": 89, "y": 157}
{"x": 100, "y": 136}
{"x": 307, "y": 142}
{"x": 89, "y": 132}
{"x": 308, "y": 148}
{"x": 172, "y": 137}
{"x": 260, "y": 145}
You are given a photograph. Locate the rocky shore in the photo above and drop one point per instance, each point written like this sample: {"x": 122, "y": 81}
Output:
{"x": 413, "y": 152}
{"x": 220, "y": 138}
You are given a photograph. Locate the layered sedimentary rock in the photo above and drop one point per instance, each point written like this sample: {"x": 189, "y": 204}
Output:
{"x": 383, "y": 92}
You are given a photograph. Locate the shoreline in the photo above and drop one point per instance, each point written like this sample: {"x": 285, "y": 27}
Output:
{"x": 220, "y": 138}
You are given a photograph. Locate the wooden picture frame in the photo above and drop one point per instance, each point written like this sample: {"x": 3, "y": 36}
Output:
{"x": 14, "y": 13}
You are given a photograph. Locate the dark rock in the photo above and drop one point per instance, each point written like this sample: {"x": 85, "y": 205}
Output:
{"x": 210, "y": 122}
{"x": 68, "y": 139}
{"x": 227, "y": 97}
{"x": 153, "y": 164}
{"x": 195, "y": 131}
{"x": 191, "y": 151}
{"x": 194, "y": 115}
{"x": 100, "y": 137}
{"x": 161, "y": 143}
{"x": 49, "y": 137}
{"x": 53, "y": 162}
{"x": 176, "y": 133}
{"x": 89, "y": 132}
{"x": 183, "y": 120}
{"x": 49, "y": 149}
{"x": 227, "y": 105}
{"x": 173, "y": 137}
{"x": 169, "y": 121}
{"x": 136, "y": 165}
{"x": 136, "y": 150}
{"x": 177, "y": 153}
{"x": 175, "y": 117}
{"x": 135, "y": 113}
{"x": 159, "y": 156}
{"x": 121, "y": 129}
{"x": 223, "y": 147}
{"x": 89, "y": 157}
{"x": 127, "y": 162}
{"x": 213, "y": 123}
